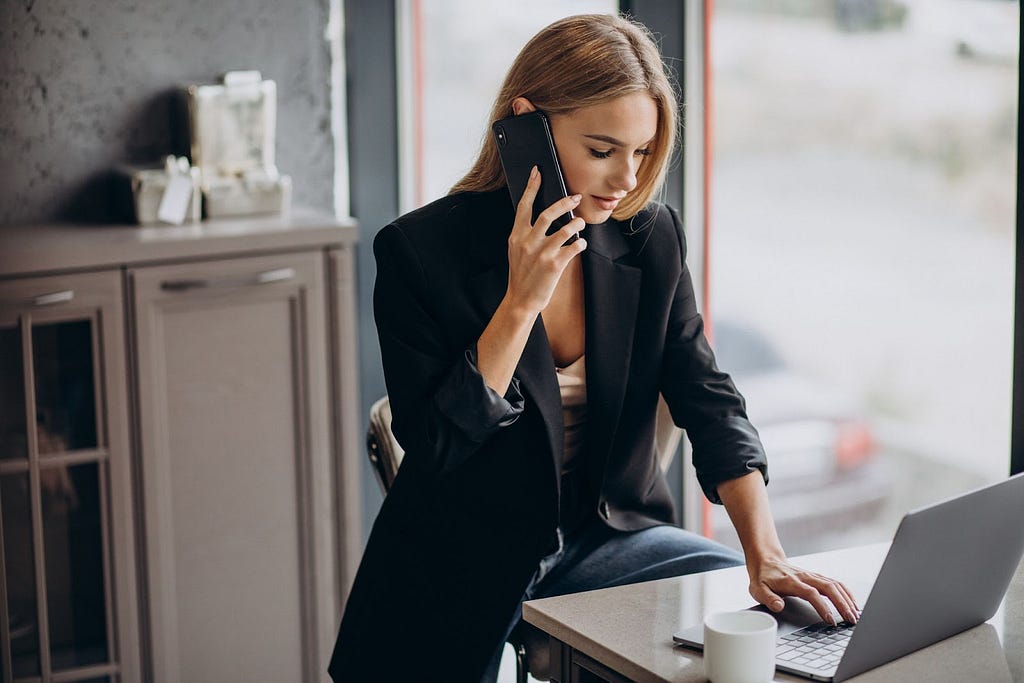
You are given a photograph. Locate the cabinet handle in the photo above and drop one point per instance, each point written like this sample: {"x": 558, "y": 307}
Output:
{"x": 183, "y": 285}
{"x": 54, "y": 298}
{"x": 279, "y": 275}
{"x": 265, "y": 278}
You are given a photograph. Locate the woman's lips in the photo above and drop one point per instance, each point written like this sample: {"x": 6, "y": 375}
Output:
{"x": 605, "y": 203}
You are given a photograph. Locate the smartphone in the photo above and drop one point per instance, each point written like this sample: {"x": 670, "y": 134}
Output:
{"x": 525, "y": 141}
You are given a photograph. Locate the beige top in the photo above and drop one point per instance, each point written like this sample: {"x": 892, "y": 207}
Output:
{"x": 572, "y": 384}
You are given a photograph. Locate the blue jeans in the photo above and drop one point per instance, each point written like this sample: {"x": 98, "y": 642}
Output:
{"x": 598, "y": 556}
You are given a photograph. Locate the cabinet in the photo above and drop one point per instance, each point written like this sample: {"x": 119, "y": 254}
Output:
{"x": 65, "y": 508}
{"x": 197, "y": 394}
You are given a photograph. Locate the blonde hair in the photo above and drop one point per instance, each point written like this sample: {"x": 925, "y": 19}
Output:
{"x": 578, "y": 62}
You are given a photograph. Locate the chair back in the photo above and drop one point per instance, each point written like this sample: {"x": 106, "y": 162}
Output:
{"x": 666, "y": 435}
{"x": 381, "y": 445}
{"x": 386, "y": 454}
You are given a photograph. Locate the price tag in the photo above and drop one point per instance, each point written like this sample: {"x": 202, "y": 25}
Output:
{"x": 174, "y": 204}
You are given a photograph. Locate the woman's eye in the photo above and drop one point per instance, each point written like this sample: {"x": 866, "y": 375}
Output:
{"x": 598, "y": 154}
{"x": 645, "y": 152}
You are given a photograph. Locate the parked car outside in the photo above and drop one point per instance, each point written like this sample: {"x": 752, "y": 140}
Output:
{"x": 826, "y": 472}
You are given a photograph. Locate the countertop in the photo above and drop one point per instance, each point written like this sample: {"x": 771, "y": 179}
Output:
{"x": 68, "y": 247}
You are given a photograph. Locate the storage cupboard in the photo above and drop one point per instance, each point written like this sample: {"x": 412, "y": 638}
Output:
{"x": 178, "y": 449}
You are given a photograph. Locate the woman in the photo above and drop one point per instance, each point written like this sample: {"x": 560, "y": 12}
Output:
{"x": 524, "y": 378}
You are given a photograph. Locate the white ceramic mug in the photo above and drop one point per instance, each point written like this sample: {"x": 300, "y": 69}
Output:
{"x": 739, "y": 647}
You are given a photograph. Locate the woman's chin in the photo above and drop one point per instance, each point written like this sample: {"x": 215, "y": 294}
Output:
{"x": 593, "y": 216}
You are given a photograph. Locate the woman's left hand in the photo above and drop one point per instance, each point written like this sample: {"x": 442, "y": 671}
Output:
{"x": 772, "y": 577}
{"x": 771, "y": 580}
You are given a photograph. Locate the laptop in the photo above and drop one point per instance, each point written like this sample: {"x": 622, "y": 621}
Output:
{"x": 947, "y": 570}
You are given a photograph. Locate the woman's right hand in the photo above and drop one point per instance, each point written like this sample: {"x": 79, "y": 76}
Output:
{"x": 536, "y": 260}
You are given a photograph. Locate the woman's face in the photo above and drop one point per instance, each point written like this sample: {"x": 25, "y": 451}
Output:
{"x": 600, "y": 149}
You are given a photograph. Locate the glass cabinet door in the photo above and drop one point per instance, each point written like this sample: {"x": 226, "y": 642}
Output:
{"x": 56, "y": 481}
{"x": 22, "y": 646}
{"x": 65, "y": 390}
{"x": 21, "y": 631}
{"x": 13, "y": 443}
{"x": 73, "y": 548}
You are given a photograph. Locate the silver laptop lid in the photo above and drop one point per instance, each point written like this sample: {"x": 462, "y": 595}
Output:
{"x": 947, "y": 571}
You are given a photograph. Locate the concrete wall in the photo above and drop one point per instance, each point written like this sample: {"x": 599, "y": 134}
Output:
{"x": 86, "y": 85}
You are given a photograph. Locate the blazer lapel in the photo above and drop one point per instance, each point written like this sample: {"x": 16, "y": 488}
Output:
{"x": 612, "y": 297}
{"x": 536, "y": 373}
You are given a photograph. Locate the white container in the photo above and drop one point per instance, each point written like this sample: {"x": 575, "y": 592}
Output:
{"x": 232, "y": 135}
{"x": 140, "y": 190}
{"x": 739, "y": 647}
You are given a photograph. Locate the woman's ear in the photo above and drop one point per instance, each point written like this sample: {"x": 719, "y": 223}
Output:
{"x": 521, "y": 105}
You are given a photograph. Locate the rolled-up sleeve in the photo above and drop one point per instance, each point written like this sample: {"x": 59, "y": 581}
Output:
{"x": 442, "y": 408}
{"x": 471, "y": 406}
{"x": 704, "y": 400}
{"x": 724, "y": 450}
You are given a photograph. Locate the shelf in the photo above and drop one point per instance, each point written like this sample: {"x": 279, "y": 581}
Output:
{"x": 64, "y": 247}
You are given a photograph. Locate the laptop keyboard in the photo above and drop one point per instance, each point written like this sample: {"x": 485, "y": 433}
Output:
{"x": 818, "y": 646}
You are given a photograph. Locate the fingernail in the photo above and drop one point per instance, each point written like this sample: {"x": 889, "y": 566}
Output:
{"x": 777, "y": 604}
{"x": 577, "y": 197}
{"x": 533, "y": 173}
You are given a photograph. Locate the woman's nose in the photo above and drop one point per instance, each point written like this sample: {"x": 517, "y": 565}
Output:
{"x": 625, "y": 176}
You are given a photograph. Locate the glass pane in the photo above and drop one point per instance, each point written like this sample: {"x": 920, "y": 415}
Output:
{"x": 453, "y": 54}
{"x": 65, "y": 399}
{"x": 16, "y": 520}
{"x": 864, "y": 184}
{"x": 12, "y": 395}
{"x": 73, "y": 538}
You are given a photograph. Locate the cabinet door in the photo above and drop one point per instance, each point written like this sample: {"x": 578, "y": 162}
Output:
{"x": 67, "y": 564}
{"x": 234, "y": 438}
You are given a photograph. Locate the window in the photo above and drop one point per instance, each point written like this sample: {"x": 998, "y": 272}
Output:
{"x": 863, "y": 202}
{"x": 451, "y": 66}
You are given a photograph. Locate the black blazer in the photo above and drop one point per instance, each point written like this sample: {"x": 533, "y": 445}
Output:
{"x": 475, "y": 504}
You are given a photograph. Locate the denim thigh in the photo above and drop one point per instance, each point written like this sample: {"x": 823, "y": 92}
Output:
{"x": 600, "y": 557}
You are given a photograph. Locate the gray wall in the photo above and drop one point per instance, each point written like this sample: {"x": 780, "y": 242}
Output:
{"x": 86, "y": 85}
